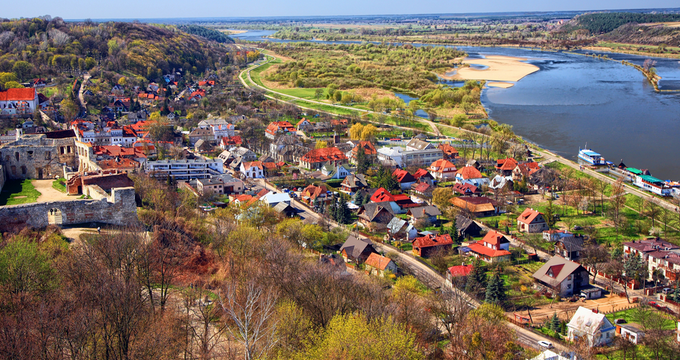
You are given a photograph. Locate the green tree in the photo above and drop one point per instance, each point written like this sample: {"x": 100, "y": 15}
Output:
{"x": 359, "y": 198}
{"x": 12, "y": 85}
{"x": 317, "y": 93}
{"x": 344, "y": 214}
{"x": 495, "y": 290}
{"x": 361, "y": 160}
{"x": 555, "y": 323}
{"x": 69, "y": 108}
{"x": 459, "y": 120}
{"x": 24, "y": 268}
{"x": 23, "y": 69}
{"x": 385, "y": 179}
{"x": 476, "y": 279}
{"x": 676, "y": 292}
{"x": 337, "y": 96}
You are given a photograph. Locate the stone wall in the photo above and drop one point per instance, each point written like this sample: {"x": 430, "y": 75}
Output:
{"x": 3, "y": 177}
{"x": 119, "y": 208}
{"x": 37, "y": 157}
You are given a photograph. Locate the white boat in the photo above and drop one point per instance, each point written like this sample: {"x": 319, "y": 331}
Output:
{"x": 591, "y": 157}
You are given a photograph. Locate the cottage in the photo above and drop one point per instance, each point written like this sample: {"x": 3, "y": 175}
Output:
{"x": 449, "y": 151}
{"x": 272, "y": 199}
{"x": 592, "y": 325}
{"x": 379, "y": 265}
{"x": 630, "y": 333}
{"x": 400, "y": 230}
{"x": 426, "y": 214}
{"x": 285, "y": 209}
{"x": 417, "y": 144}
{"x": 354, "y": 182}
{"x": 467, "y": 227}
{"x": 278, "y": 127}
{"x": 469, "y": 174}
{"x": 427, "y": 245}
{"x": 252, "y": 169}
{"x": 443, "y": 170}
{"x": 506, "y": 166}
{"x": 331, "y": 171}
{"x": 456, "y": 272}
{"x": 304, "y": 125}
{"x": 477, "y": 206}
{"x": 370, "y": 152}
{"x": 220, "y": 184}
{"x": 563, "y": 277}
{"x": 375, "y": 215}
{"x": 228, "y": 142}
{"x": 316, "y": 158}
{"x": 423, "y": 176}
{"x": 569, "y": 247}
{"x": 201, "y": 134}
{"x": 314, "y": 194}
{"x": 524, "y": 170}
{"x": 494, "y": 247}
{"x": 404, "y": 178}
{"x": 219, "y": 127}
{"x": 532, "y": 221}
{"x": 423, "y": 189}
{"x": 357, "y": 249}
{"x": 467, "y": 189}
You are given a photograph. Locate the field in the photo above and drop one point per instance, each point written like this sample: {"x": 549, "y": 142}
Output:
{"x": 17, "y": 192}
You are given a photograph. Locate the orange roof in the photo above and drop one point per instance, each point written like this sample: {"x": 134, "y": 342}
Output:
{"x": 420, "y": 173}
{"x": 323, "y": 155}
{"x": 118, "y": 164}
{"x": 270, "y": 165}
{"x": 483, "y": 250}
{"x": 431, "y": 240}
{"x": 506, "y": 164}
{"x": 242, "y": 198}
{"x": 381, "y": 195}
{"x": 232, "y": 140}
{"x": 369, "y": 148}
{"x": 273, "y": 127}
{"x": 26, "y": 94}
{"x": 448, "y": 149}
{"x": 460, "y": 270}
{"x": 528, "y": 216}
{"x": 314, "y": 191}
{"x": 257, "y": 164}
{"x": 339, "y": 122}
{"x": 377, "y": 261}
{"x": 442, "y": 166}
{"x": 494, "y": 238}
{"x": 469, "y": 172}
{"x": 403, "y": 176}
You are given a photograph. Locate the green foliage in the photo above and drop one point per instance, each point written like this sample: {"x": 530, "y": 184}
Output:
{"x": 476, "y": 279}
{"x": 17, "y": 192}
{"x": 362, "y": 161}
{"x": 207, "y": 33}
{"x": 385, "y": 179}
{"x": 24, "y": 268}
{"x": 599, "y": 23}
{"x": 495, "y": 290}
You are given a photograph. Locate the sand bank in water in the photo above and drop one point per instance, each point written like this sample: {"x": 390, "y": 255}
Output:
{"x": 499, "y": 68}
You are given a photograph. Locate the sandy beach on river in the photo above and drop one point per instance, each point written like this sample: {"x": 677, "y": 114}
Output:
{"x": 499, "y": 69}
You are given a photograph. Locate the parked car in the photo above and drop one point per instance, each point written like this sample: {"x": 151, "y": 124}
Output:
{"x": 666, "y": 290}
{"x": 620, "y": 321}
{"x": 545, "y": 344}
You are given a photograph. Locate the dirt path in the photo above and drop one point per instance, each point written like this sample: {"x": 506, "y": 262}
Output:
{"x": 48, "y": 193}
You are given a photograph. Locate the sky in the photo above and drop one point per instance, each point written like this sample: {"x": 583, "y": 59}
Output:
{"x": 163, "y": 9}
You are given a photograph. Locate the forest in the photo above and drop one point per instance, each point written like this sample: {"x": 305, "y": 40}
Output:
{"x": 210, "y": 34}
{"x": 45, "y": 46}
{"x": 600, "y": 23}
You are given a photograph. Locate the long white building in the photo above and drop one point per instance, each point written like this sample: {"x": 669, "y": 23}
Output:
{"x": 184, "y": 169}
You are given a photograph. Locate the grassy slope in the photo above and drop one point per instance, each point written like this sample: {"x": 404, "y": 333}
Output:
{"x": 18, "y": 188}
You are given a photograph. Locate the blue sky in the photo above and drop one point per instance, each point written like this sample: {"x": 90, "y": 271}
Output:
{"x": 150, "y": 9}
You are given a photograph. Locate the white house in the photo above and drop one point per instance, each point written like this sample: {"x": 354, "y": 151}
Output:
{"x": 252, "y": 169}
{"x": 272, "y": 198}
{"x": 18, "y": 101}
{"x": 220, "y": 127}
{"x": 470, "y": 175}
{"x": 597, "y": 329}
{"x": 335, "y": 171}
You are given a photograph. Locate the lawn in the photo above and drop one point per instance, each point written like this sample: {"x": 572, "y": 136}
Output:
{"x": 59, "y": 184}
{"x": 634, "y": 316}
{"x": 17, "y": 192}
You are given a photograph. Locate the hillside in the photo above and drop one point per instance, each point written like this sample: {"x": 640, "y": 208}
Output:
{"x": 644, "y": 35}
{"x": 47, "y": 47}
{"x": 601, "y": 23}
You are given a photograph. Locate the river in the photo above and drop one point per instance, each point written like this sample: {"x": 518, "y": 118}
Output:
{"x": 576, "y": 100}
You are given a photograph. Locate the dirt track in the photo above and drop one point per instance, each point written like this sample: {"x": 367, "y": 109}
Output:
{"x": 48, "y": 193}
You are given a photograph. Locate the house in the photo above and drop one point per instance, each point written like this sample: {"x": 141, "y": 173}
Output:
{"x": 313, "y": 194}
{"x": 561, "y": 276}
{"x": 630, "y": 333}
{"x": 427, "y": 214}
{"x": 279, "y": 127}
{"x": 339, "y": 123}
{"x": 417, "y": 144}
{"x": 423, "y": 176}
{"x": 375, "y": 215}
{"x": 494, "y": 247}
{"x": 200, "y": 134}
{"x": 228, "y": 142}
{"x": 554, "y": 234}
{"x": 377, "y": 265}
{"x": 477, "y": 206}
{"x": 400, "y": 230}
{"x": 592, "y": 325}
{"x": 467, "y": 189}
{"x": 304, "y": 125}
{"x": 357, "y": 249}
{"x": 285, "y": 209}
{"x": 287, "y": 148}
{"x": 397, "y": 156}
{"x": 398, "y": 202}
{"x": 550, "y": 355}
{"x": 506, "y": 166}
{"x": 423, "y": 189}
{"x": 369, "y": 151}
{"x": 443, "y": 170}
{"x": 469, "y": 174}
{"x": 658, "y": 254}
{"x": 270, "y": 168}
{"x": 524, "y": 170}
{"x": 316, "y": 158}
{"x": 404, "y": 178}
{"x": 252, "y": 169}
{"x": 353, "y": 182}
{"x": 219, "y": 127}
{"x": 332, "y": 171}
{"x": 499, "y": 182}
{"x": 272, "y": 199}
{"x": 569, "y": 247}
{"x": 532, "y": 221}
{"x": 427, "y": 245}
{"x": 18, "y": 101}
{"x": 467, "y": 227}
{"x": 455, "y": 272}
{"x": 449, "y": 151}
{"x": 220, "y": 184}
{"x": 203, "y": 147}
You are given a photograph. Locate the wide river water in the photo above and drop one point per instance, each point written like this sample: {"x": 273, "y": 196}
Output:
{"x": 576, "y": 100}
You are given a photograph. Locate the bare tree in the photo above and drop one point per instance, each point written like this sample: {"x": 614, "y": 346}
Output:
{"x": 595, "y": 257}
{"x": 250, "y": 309}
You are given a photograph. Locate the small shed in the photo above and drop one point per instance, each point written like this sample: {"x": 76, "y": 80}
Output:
{"x": 630, "y": 333}
{"x": 592, "y": 293}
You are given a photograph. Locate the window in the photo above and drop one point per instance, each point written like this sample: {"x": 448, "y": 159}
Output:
{"x": 30, "y": 155}
{"x": 16, "y": 155}
{"x": 48, "y": 155}
{"x": 23, "y": 170}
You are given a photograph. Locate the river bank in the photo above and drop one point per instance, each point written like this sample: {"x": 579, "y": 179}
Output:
{"x": 501, "y": 71}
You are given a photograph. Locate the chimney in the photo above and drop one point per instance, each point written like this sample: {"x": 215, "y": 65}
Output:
{"x": 595, "y": 311}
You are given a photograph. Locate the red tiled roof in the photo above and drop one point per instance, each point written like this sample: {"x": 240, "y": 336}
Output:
{"x": 232, "y": 140}
{"x": 460, "y": 270}
{"x": 26, "y": 94}
{"x": 420, "y": 173}
{"x": 369, "y": 148}
{"x": 339, "y": 122}
{"x": 381, "y": 195}
{"x": 269, "y": 165}
{"x": 422, "y": 187}
{"x": 506, "y": 164}
{"x": 118, "y": 164}
{"x": 494, "y": 238}
{"x": 464, "y": 188}
{"x": 442, "y": 166}
{"x": 323, "y": 155}
{"x": 448, "y": 149}
{"x": 273, "y": 127}
{"x": 314, "y": 191}
{"x": 432, "y": 240}
{"x": 528, "y": 216}
{"x": 377, "y": 261}
{"x": 469, "y": 172}
{"x": 242, "y": 198}
{"x": 483, "y": 250}
{"x": 257, "y": 164}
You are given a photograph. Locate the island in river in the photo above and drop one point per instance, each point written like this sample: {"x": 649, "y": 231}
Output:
{"x": 497, "y": 70}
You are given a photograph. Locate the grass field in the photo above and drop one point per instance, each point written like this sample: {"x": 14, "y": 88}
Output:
{"x": 17, "y": 192}
{"x": 59, "y": 184}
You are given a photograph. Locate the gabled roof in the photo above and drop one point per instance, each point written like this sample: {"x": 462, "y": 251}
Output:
{"x": 448, "y": 149}
{"x": 432, "y": 240}
{"x": 255, "y": 164}
{"x": 369, "y": 148}
{"x": 422, "y": 188}
{"x": 314, "y": 191}
{"x": 424, "y": 211}
{"x": 486, "y": 251}
{"x": 403, "y": 176}
{"x": 589, "y": 322}
{"x": 275, "y": 126}
{"x": 468, "y": 172}
{"x": 26, "y": 94}
{"x": 495, "y": 238}
{"x": 460, "y": 270}
{"x": 354, "y": 247}
{"x": 323, "y": 155}
{"x": 442, "y": 166}
{"x": 381, "y": 195}
{"x": 371, "y": 210}
{"x": 420, "y": 173}
{"x": 355, "y": 180}
{"x": 474, "y": 204}
{"x": 378, "y": 261}
{"x": 419, "y": 144}
{"x": 396, "y": 224}
{"x": 508, "y": 164}
{"x": 528, "y": 216}
{"x": 528, "y": 168}
{"x": 466, "y": 188}
{"x": 462, "y": 223}
{"x": 650, "y": 245}
{"x": 556, "y": 270}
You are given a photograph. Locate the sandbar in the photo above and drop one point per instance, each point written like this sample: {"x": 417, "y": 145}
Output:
{"x": 497, "y": 84}
{"x": 499, "y": 68}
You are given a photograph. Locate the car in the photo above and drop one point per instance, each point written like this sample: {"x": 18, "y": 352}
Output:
{"x": 545, "y": 344}
{"x": 620, "y": 321}
{"x": 666, "y": 290}
{"x": 576, "y": 227}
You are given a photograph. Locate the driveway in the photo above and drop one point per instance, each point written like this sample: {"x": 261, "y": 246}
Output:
{"x": 48, "y": 193}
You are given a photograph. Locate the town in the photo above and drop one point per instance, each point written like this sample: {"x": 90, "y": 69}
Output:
{"x": 215, "y": 180}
